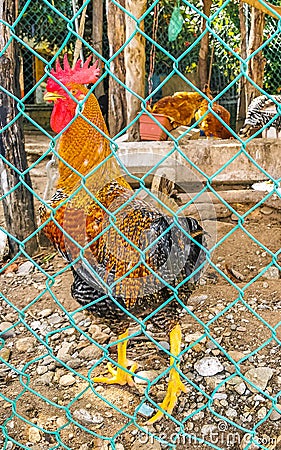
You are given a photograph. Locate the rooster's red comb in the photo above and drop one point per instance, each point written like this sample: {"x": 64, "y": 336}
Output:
{"x": 81, "y": 73}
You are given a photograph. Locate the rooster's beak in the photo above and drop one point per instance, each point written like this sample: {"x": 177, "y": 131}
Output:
{"x": 51, "y": 96}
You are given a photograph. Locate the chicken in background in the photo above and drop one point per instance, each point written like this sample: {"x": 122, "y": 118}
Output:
{"x": 210, "y": 124}
{"x": 123, "y": 251}
{"x": 182, "y": 107}
{"x": 260, "y": 112}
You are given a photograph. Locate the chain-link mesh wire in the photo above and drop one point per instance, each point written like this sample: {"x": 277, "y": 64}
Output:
{"x": 37, "y": 28}
{"x": 65, "y": 408}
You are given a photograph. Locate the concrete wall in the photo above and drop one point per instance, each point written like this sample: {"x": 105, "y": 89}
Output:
{"x": 209, "y": 155}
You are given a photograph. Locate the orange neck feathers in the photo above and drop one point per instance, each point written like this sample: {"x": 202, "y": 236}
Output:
{"x": 82, "y": 147}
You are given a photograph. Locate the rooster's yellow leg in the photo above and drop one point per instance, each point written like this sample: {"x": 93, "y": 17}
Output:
{"x": 119, "y": 376}
{"x": 175, "y": 385}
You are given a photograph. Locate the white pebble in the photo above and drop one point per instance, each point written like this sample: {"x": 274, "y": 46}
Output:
{"x": 34, "y": 435}
{"x": 67, "y": 380}
{"x": 208, "y": 366}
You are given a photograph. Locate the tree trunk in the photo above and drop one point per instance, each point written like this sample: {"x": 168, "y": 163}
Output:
{"x": 203, "y": 63}
{"x": 135, "y": 64}
{"x": 242, "y": 106}
{"x": 81, "y": 29}
{"x": 18, "y": 204}
{"x": 97, "y": 31}
{"x": 117, "y": 107}
{"x": 257, "y": 4}
{"x": 257, "y": 63}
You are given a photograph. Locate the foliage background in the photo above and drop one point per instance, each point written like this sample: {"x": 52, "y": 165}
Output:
{"x": 41, "y": 25}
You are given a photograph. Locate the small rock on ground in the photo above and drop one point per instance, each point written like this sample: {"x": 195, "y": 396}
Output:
{"x": 24, "y": 344}
{"x": 275, "y": 415}
{"x": 3, "y": 327}
{"x": 208, "y": 366}
{"x": 25, "y": 268}
{"x": 67, "y": 380}
{"x": 236, "y": 355}
{"x": 272, "y": 273}
{"x": 149, "y": 375}
{"x": 90, "y": 352}
{"x": 85, "y": 416}
{"x": 34, "y": 435}
{"x": 259, "y": 376}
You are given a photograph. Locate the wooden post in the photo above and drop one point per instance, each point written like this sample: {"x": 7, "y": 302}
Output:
{"x": 242, "y": 106}
{"x": 257, "y": 63}
{"x": 117, "y": 105}
{"x": 203, "y": 64}
{"x": 135, "y": 64}
{"x": 257, "y": 4}
{"x": 81, "y": 30}
{"x": 18, "y": 205}
{"x": 97, "y": 30}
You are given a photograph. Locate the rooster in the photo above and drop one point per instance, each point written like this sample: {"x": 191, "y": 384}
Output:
{"x": 122, "y": 251}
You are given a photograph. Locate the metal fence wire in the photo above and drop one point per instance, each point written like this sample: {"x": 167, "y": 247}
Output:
{"x": 52, "y": 348}
{"x": 36, "y": 28}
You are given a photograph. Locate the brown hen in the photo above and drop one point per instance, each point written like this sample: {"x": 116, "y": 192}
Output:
{"x": 180, "y": 108}
{"x": 210, "y": 124}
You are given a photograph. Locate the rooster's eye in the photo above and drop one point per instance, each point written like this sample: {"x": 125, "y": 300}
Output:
{"x": 73, "y": 91}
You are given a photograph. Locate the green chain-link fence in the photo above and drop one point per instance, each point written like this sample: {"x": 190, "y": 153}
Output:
{"x": 230, "y": 361}
{"x": 37, "y": 29}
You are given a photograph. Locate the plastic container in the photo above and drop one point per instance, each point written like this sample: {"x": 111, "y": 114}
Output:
{"x": 151, "y": 131}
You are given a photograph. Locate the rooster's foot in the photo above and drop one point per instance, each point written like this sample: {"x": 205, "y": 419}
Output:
{"x": 175, "y": 387}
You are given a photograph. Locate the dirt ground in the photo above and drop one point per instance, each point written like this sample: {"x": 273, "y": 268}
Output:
{"x": 49, "y": 357}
